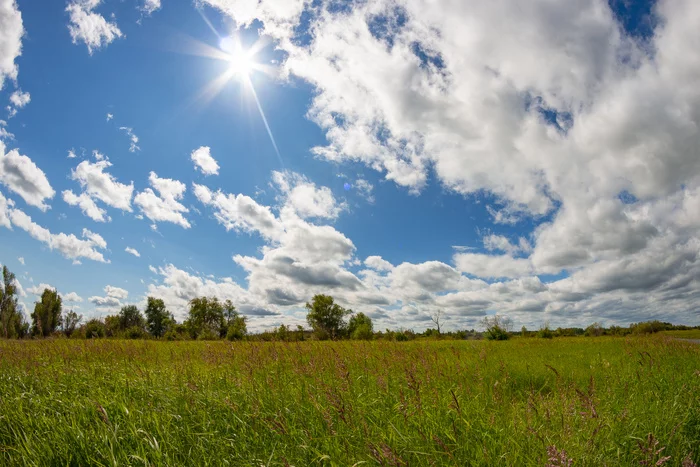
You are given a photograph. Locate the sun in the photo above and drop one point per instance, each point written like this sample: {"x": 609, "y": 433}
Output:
{"x": 241, "y": 62}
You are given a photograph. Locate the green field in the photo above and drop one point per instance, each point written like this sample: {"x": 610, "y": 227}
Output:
{"x": 518, "y": 402}
{"x": 689, "y": 334}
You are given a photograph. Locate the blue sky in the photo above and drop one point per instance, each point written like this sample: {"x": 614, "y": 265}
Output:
{"x": 419, "y": 166}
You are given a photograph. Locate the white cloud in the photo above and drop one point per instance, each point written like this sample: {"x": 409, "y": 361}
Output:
{"x": 72, "y": 297}
{"x": 492, "y": 266}
{"x": 21, "y": 260}
{"x": 112, "y": 298}
{"x": 110, "y": 116}
{"x": 364, "y": 189}
{"x": 239, "y": 212}
{"x": 89, "y": 27}
{"x": 494, "y": 242}
{"x": 100, "y": 185}
{"x": 4, "y": 134}
{"x": 5, "y": 208}
{"x": 19, "y": 99}
{"x": 305, "y": 198}
{"x": 164, "y": 207}
{"x": 87, "y": 205}
{"x": 378, "y": 263}
{"x": 11, "y": 32}
{"x": 69, "y": 245}
{"x": 71, "y": 154}
{"x": 150, "y": 6}
{"x": 133, "y": 147}
{"x": 39, "y": 289}
{"x": 21, "y": 175}
{"x": 133, "y": 251}
{"x": 204, "y": 162}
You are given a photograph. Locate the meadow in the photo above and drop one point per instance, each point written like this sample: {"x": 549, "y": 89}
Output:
{"x": 603, "y": 401}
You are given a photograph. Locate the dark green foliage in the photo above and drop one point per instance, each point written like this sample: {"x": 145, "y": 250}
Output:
{"x": 595, "y": 330}
{"x": 360, "y": 327}
{"x": 545, "y": 332}
{"x": 649, "y": 327}
{"x": 93, "y": 329}
{"x": 46, "y": 317}
{"x": 12, "y": 322}
{"x": 326, "y": 318}
{"x": 71, "y": 320}
{"x": 158, "y": 318}
{"x": 129, "y": 317}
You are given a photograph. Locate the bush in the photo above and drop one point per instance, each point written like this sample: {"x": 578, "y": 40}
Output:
{"x": 545, "y": 332}
{"x": 93, "y": 329}
{"x": 134, "y": 332}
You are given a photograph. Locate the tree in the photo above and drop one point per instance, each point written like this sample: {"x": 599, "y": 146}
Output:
{"x": 436, "y": 318}
{"x": 497, "y": 327}
{"x": 70, "y": 322}
{"x": 158, "y": 318}
{"x": 206, "y": 318}
{"x": 360, "y": 327}
{"x": 129, "y": 317}
{"x": 47, "y": 313}
{"x": 326, "y": 317}
{"x": 236, "y": 327}
{"x": 12, "y": 322}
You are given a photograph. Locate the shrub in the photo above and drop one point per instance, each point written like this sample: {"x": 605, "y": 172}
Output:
{"x": 545, "y": 332}
{"x": 93, "y": 329}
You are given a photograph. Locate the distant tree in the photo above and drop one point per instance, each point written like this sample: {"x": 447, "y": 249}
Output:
{"x": 93, "y": 329}
{"x": 545, "y": 332}
{"x": 70, "y": 322}
{"x": 497, "y": 327}
{"x": 360, "y": 327}
{"x": 282, "y": 333}
{"x": 595, "y": 330}
{"x": 236, "y": 327}
{"x": 436, "y": 318}
{"x": 47, "y": 313}
{"x": 158, "y": 318}
{"x": 523, "y": 331}
{"x": 206, "y": 318}
{"x": 325, "y": 317}
{"x": 300, "y": 332}
{"x": 112, "y": 326}
{"x": 129, "y": 317}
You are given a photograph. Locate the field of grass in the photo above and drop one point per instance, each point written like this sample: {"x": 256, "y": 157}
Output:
{"x": 519, "y": 402}
{"x": 689, "y": 334}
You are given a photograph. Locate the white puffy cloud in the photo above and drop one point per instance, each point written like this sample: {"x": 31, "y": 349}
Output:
{"x": 4, "y": 134}
{"x": 21, "y": 175}
{"x": 98, "y": 185}
{"x": 364, "y": 189}
{"x": 204, "y": 162}
{"x": 304, "y": 198}
{"x": 133, "y": 251}
{"x": 378, "y": 263}
{"x": 239, "y": 212}
{"x": 5, "y": 208}
{"x": 11, "y": 32}
{"x": 39, "y": 289}
{"x": 21, "y": 260}
{"x": 89, "y": 27}
{"x": 165, "y": 206}
{"x": 134, "y": 140}
{"x": 112, "y": 298}
{"x": 19, "y": 99}
{"x": 72, "y": 297}
{"x": 492, "y": 266}
{"x": 69, "y": 245}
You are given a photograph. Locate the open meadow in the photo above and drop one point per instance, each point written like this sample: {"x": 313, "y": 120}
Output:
{"x": 526, "y": 401}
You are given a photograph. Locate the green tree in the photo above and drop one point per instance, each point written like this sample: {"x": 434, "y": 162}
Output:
{"x": 70, "y": 322}
{"x": 47, "y": 313}
{"x": 497, "y": 327}
{"x": 158, "y": 318}
{"x": 360, "y": 327}
{"x": 12, "y": 322}
{"x": 93, "y": 329}
{"x": 326, "y": 317}
{"x": 206, "y": 318}
{"x": 130, "y": 316}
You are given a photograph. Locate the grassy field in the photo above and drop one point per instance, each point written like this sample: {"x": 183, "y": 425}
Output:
{"x": 690, "y": 334}
{"x": 523, "y": 402}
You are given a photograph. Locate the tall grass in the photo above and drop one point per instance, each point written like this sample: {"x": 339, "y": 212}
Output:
{"x": 519, "y": 402}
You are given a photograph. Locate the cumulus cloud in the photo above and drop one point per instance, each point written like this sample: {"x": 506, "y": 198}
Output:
{"x": 21, "y": 260}
{"x": 150, "y": 6}
{"x": 72, "y": 297}
{"x": 305, "y": 198}
{"x": 89, "y": 27}
{"x": 21, "y": 175}
{"x": 98, "y": 185}
{"x": 112, "y": 298}
{"x": 570, "y": 124}
{"x": 39, "y": 289}
{"x": 11, "y": 33}
{"x": 19, "y": 99}
{"x": 165, "y": 206}
{"x": 133, "y": 251}
{"x": 204, "y": 162}
{"x": 4, "y": 134}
